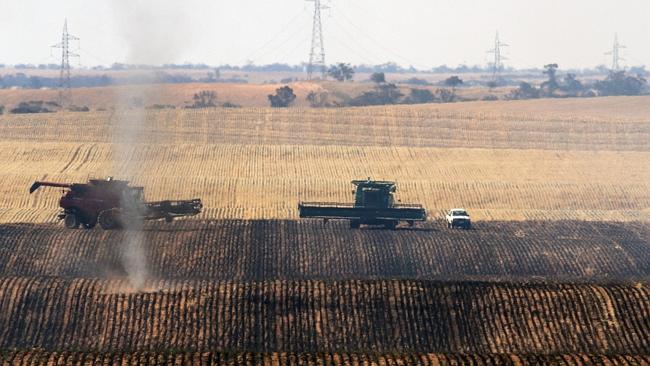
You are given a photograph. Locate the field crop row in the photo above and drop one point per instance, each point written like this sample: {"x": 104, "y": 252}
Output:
{"x": 313, "y": 316}
{"x": 259, "y": 250}
{"x": 310, "y": 359}
{"x": 423, "y": 126}
{"x": 266, "y": 182}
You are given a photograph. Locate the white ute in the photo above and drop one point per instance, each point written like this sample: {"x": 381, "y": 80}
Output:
{"x": 458, "y": 217}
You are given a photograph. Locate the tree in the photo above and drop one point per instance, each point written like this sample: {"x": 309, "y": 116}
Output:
{"x": 618, "y": 83}
{"x": 551, "y": 85}
{"x": 525, "y": 91}
{"x": 2, "y": 109}
{"x": 204, "y": 99}
{"x": 341, "y": 72}
{"x": 283, "y": 97}
{"x": 416, "y": 81}
{"x": 318, "y": 99}
{"x": 445, "y": 95}
{"x": 638, "y": 70}
{"x": 571, "y": 84}
{"x": 378, "y": 77}
{"x": 453, "y": 82}
{"x": 214, "y": 76}
{"x": 420, "y": 96}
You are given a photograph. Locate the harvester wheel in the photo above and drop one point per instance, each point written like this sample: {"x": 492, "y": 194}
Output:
{"x": 71, "y": 220}
{"x": 355, "y": 224}
{"x": 107, "y": 220}
{"x": 90, "y": 225}
{"x": 169, "y": 219}
{"x": 390, "y": 225}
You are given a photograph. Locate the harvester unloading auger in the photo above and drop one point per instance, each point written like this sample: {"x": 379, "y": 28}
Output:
{"x": 374, "y": 204}
{"x": 113, "y": 204}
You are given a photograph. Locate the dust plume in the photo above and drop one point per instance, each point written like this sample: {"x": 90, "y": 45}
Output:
{"x": 150, "y": 30}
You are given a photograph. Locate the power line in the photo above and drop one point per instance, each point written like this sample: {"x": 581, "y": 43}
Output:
{"x": 374, "y": 40}
{"x": 615, "y": 53}
{"x": 317, "y": 54}
{"x": 372, "y": 60}
{"x": 256, "y": 55}
{"x": 497, "y": 65}
{"x": 351, "y": 49}
{"x": 65, "y": 87}
{"x": 277, "y": 49}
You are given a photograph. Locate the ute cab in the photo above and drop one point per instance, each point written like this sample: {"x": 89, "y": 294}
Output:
{"x": 458, "y": 217}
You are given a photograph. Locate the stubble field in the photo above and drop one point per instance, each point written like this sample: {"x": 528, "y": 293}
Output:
{"x": 555, "y": 271}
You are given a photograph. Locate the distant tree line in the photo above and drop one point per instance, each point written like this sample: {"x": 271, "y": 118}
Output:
{"x": 616, "y": 83}
{"x": 384, "y": 93}
{"x": 24, "y": 81}
{"x": 389, "y": 67}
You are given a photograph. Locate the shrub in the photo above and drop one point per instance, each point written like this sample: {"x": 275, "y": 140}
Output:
{"x": 525, "y": 91}
{"x": 33, "y": 106}
{"x": 618, "y": 83}
{"x": 445, "y": 95}
{"x": 420, "y": 96}
{"x": 378, "y": 77}
{"x": 76, "y": 108}
{"x": 161, "y": 106}
{"x": 572, "y": 85}
{"x": 204, "y": 99}
{"x": 382, "y": 94}
{"x": 453, "y": 82}
{"x": 230, "y": 105}
{"x": 283, "y": 97}
{"x": 416, "y": 81}
{"x": 318, "y": 99}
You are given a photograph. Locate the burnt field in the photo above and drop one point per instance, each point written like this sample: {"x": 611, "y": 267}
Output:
{"x": 383, "y": 316}
{"x": 259, "y": 250}
{"x": 276, "y": 291}
{"x": 250, "y": 358}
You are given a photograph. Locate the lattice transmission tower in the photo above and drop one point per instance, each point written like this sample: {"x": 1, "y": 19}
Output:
{"x": 65, "y": 88}
{"x": 616, "y": 54}
{"x": 497, "y": 65}
{"x": 317, "y": 54}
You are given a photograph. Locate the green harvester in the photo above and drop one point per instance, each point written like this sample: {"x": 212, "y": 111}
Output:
{"x": 374, "y": 204}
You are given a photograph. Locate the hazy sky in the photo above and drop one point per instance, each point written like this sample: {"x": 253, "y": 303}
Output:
{"x": 424, "y": 33}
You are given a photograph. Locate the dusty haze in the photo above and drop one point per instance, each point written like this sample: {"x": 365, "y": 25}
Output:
{"x": 419, "y": 32}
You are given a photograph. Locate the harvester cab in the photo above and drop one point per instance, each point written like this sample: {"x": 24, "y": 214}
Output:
{"x": 373, "y": 194}
{"x": 112, "y": 203}
{"x": 374, "y": 204}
